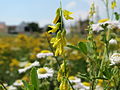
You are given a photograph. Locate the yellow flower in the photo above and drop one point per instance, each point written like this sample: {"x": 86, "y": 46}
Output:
{"x": 36, "y": 49}
{"x": 32, "y": 56}
{"x": 100, "y": 82}
{"x": 103, "y": 20}
{"x": 71, "y": 78}
{"x": 54, "y": 28}
{"x": 1, "y": 62}
{"x": 67, "y": 14}
{"x": 57, "y": 16}
{"x": 14, "y": 63}
{"x": 59, "y": 42}
{"x": 25, "y": 78}
{"x": 113, "y": 4}
{"x": 64, "y": 85}
{"x": 22, "y": 37}
{"x": 59, "y": 76}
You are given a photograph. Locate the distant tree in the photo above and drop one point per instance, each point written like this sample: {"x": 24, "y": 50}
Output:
{"x": 34, "y": 27}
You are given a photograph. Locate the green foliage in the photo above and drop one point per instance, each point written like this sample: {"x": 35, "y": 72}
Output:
{"x": 73, "y": 47}
{"x": 34, "y": 78}
{"x": 82, "y": 47}
{"x": 28, "y": 86}
{"x": 34, "y": 82}
{"x": 117, "y": 16}
{"x": 34, "y": 27}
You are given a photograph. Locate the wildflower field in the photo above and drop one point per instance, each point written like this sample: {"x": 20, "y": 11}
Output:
{"x": 55, "y": 60}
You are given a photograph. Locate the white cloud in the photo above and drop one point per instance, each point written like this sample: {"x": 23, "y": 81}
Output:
{"x": 81, "y": 15}
{"x": 71, "y": 5}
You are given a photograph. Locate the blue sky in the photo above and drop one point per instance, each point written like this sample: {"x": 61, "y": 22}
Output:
{"x": 42, "y": 11}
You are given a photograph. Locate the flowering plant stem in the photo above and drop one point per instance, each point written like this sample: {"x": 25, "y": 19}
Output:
{"x": 3, "y": 85}
{"x": 48, "y": 40}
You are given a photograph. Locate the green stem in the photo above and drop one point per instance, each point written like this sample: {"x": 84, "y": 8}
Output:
{"x": 52, "y": 51}
{"x": 70, "y": 84}
{"x": 61, "y": 14}
{"x": 107, "y": 8}
{"x": 3, "y": 85}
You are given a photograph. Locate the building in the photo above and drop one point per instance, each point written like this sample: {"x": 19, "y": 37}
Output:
{"x": 21, "y": 27}
{"x": 3, "y": 27}
{"x": 17, "y": 29}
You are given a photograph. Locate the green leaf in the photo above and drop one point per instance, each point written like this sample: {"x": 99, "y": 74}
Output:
{"x": 73, "y": 47}
{"x": 117, "y": 16}
{"x": 89, "y": 47}
{"x": 83, "y": 47}
{"x": 34, "y": 78}
{"x": 100, "y": 78}
{"x": 84, "y": 76}
{"x": 28, "y": 86}
{"x": 25, "y": 83}
{"x": 31, "y": 87}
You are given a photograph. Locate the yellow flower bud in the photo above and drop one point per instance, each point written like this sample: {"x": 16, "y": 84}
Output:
{"x": 59, "y": 76}
{"x": 113, "y": 4}
{"x": 57, "y": 16}
{"x": 54, "y": 28}
{"x": 67, "y": 14}
{"x": 64, "y": 85}
{"x": 62, "y": 67}
{"x": 59, "y": 42}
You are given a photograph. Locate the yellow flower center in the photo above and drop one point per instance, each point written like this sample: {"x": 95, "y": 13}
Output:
{"x": 86, "y": 83}
{"x": 117, "y": 55}
{"x": 14, "y": 62}
{"x": 71, "y": 78}
{"x": 28, "y": 64}
{"x": 18, "y": 81}
{"x": 42, "y": 71}
{"x": 45, "y": 51}
{"x": 103, "y": 20}
{"x": 100, "y": 82}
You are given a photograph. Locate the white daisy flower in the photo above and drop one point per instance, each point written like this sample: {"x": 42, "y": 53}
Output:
{"x": 45, "y": 72}
{"x": 74, "y": 79}
{"x": 5, "y": 84}
{"x": 81, "y": 86}
{"x": 44, "y": 53}
{"x": 115, "y": 59}
{"x": 78, "y": 86}
{"x": 97, "y": 27}
{"x": 28, "y": 66}
{"x": 85, "y": 86}
{"x": 113, "y": 42}
{"x": 11, "y": 88}
{"x": 99, "y": 88}
{"x": 111, "y": 25}
{"x": 22, "y": 64}
{"x": 18, "y": 83}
